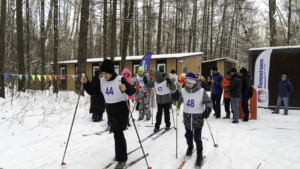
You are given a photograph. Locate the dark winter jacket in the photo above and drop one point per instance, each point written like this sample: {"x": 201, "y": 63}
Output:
{"x": 285, "y": 88}
{"x": 235, "y": 87}
{"x": 163, "y": 99}
{"x": 216, "y": 87}
{"x": 197, "y": 118}
{"x": 246, "y": 83}
{"x": 117, "y": 112}
{"x": 97, "y": 100}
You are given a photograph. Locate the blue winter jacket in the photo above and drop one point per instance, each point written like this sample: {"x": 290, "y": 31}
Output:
{"x": 285, "y": 88}
{"x": 216, "y": 87}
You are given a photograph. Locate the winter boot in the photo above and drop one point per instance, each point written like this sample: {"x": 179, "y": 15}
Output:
{"x": 167, "y": 128}
{"x": 121, "y": 165}
{"x": 156, "y": 130}
{"x": 199, "y": 160}
{"x": 189, "y": 151}
{"x": 275, "y": 112}
{"x": 108, "y": 128}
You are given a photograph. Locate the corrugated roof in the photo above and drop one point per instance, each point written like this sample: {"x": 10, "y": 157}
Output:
{"x": 274, "y": 47}
{"x": 227, "y": 59}
{"x": 161, "y": 56}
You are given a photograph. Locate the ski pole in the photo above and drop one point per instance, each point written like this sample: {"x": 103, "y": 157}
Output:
{"x": 173, "y": 116}
{"x": 152, "y": 91}
{"x": 176, "y": 128}
{"x": 62, "y": 162}
{"x": 215, "y": 145}
{"x": 138, "y": 135}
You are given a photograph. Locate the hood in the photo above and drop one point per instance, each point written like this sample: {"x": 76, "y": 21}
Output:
{"x": 194, "y": 89}
{"x": 125, "y": 70}
{"x": 158, "y": 76}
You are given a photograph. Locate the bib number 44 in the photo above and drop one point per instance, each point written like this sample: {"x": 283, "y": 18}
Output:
{"x": 190, "y": 103}
{"x": 109, "y": 91}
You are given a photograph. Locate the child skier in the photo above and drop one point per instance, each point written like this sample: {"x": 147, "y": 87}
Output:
{"x": 197, "y": 106}
{"x": 163, "y": 87}
{"x": 143, "y": 94}
{"x": 114, "y": 87}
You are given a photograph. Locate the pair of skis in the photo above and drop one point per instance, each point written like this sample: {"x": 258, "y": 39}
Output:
{"x": 159, "y": 134}
{"x": 186, "y": 159}
{"x": 131, "y": 163}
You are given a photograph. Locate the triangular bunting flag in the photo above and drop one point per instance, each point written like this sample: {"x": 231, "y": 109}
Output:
{"x": 33, "y": 77}
{"x": 14, "y": 75}
{"x": 5, "y": 76}
{"x": 73, "y": 77}
{"x": 69, "y": 77}
{"x": 59, "y": 76}
{"x": 20, "y": 77}
{"x": 39, "y": 77}
{"x": 45, "y": 77}
{"x": 50, "y": 77}
{"x": 76, "y": 77}
{"x": 55, "y": 77}
{"x": 26, "y": 77}
{"x": 65, "y": 77}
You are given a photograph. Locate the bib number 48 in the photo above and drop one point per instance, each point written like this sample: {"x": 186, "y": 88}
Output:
{"x": 109, "y": 91}
{"x": 190, "y": 103}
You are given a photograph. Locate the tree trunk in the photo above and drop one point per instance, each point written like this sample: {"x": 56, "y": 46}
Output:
{"x": 55, "y": 49}
{"x": 113, "y": 30}
{"x": 272, "y": 18}
{"x": 42, "y": 24}
{"x": 82, "y": 42}
{"x": 289, "y": 22}
{"x": 2, "y": 46}
{"x": 136, "y": 23}
{"x": 211, "y": 29}
{"x": 105, "y": 30}
{"x": 149, "y": 27}
{"x": 20, "y": 45}
{"x": 158, "y": 44}
{"x": 224, "y": 28}
{"x": 28, "y": 62}
{"x": 127, "y": 19}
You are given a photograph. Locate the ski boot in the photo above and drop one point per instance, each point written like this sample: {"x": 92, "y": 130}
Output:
{"x": 189, "y": 151}
{"x": 156, "y": 130}
{"x": 199, "y": 160}
{"x": 121, "y": 165}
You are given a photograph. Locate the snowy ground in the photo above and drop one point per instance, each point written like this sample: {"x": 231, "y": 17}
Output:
{"x": 34, "y": 128}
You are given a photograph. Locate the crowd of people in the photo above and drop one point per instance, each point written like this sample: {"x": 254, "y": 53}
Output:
{"x": 112, "y": 93}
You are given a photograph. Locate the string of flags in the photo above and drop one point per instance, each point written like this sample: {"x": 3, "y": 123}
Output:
{"x": 39, "y": 77}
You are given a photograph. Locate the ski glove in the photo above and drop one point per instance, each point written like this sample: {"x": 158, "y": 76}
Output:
{"x": 169, "y": 81}
{"x": 206, "y": 112}
{"x": 175, "y": 95}
{"x": 145, "y": 80}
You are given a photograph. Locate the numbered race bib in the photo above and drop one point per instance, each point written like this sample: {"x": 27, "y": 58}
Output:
{"x": 161, "y": 88}
{"x": 111, "y": 90}
{"x": 140, "y": 80}
{"x": 193, "y": 101}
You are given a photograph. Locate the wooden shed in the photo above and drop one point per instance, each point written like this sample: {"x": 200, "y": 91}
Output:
{"x": 223, "y": 64}
{"x": 284, "y": 60}
{"x": 181, "y": 62}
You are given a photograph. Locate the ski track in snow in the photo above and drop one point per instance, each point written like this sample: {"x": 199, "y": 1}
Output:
{"x": 34, "y": 132}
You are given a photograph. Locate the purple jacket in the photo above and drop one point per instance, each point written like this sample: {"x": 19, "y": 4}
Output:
{"x": 285, "y": 88}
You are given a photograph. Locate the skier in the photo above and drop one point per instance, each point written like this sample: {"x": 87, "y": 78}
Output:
{"x": 163, "y": 87}
{"x": 197, "y": 106}
{"x": 143, "y": 94}
{"x": 226, "y": 82}
{"x": 114, "y": 87}
{"x": 216, "y": 91}
{"x": 126, "y": 74}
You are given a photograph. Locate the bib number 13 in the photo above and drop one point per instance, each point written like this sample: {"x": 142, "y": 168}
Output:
{"x": 109, "y": 91}
{"x": 190, "y": 103}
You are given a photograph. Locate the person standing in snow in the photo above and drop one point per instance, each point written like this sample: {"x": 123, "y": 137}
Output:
{"x": 226, "y": 82}
{"x": 114, "y": 88}
{"x": 246, "y": 86}
{"x": 235, "y": 90}
{"x": 126, "y": 74}
{"x": 143, "y": 94}
{"x": 216, "y": 90}
{"x": 197, "y": 106}
{"x": 285, "y": 89}
{"x": 163, "y": 87}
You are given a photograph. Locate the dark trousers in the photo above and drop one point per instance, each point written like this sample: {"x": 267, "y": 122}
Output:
{"x": 120, "y": 146}
{"x": 97, "y": 116}
{"x": 245, "y": 107}
{"x": 216, "y": 99}
{"x": 227, "y": 102}
{"x": 160, "y": 108}
{"x": 196, "y": 135}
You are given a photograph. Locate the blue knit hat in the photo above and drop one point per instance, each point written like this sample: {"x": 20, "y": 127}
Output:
{"x": 191, "y": 77}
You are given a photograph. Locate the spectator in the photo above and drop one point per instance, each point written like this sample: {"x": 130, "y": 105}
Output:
{"x": 216, "y": 91}
{"x": 226, "y": 82}
{"x": 235, "y": 89}
{"x": 285, "y": 88}
{"x": 246, "y": 85}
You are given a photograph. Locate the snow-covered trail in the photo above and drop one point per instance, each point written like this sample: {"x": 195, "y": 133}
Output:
{"x": 34, "y": 131}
